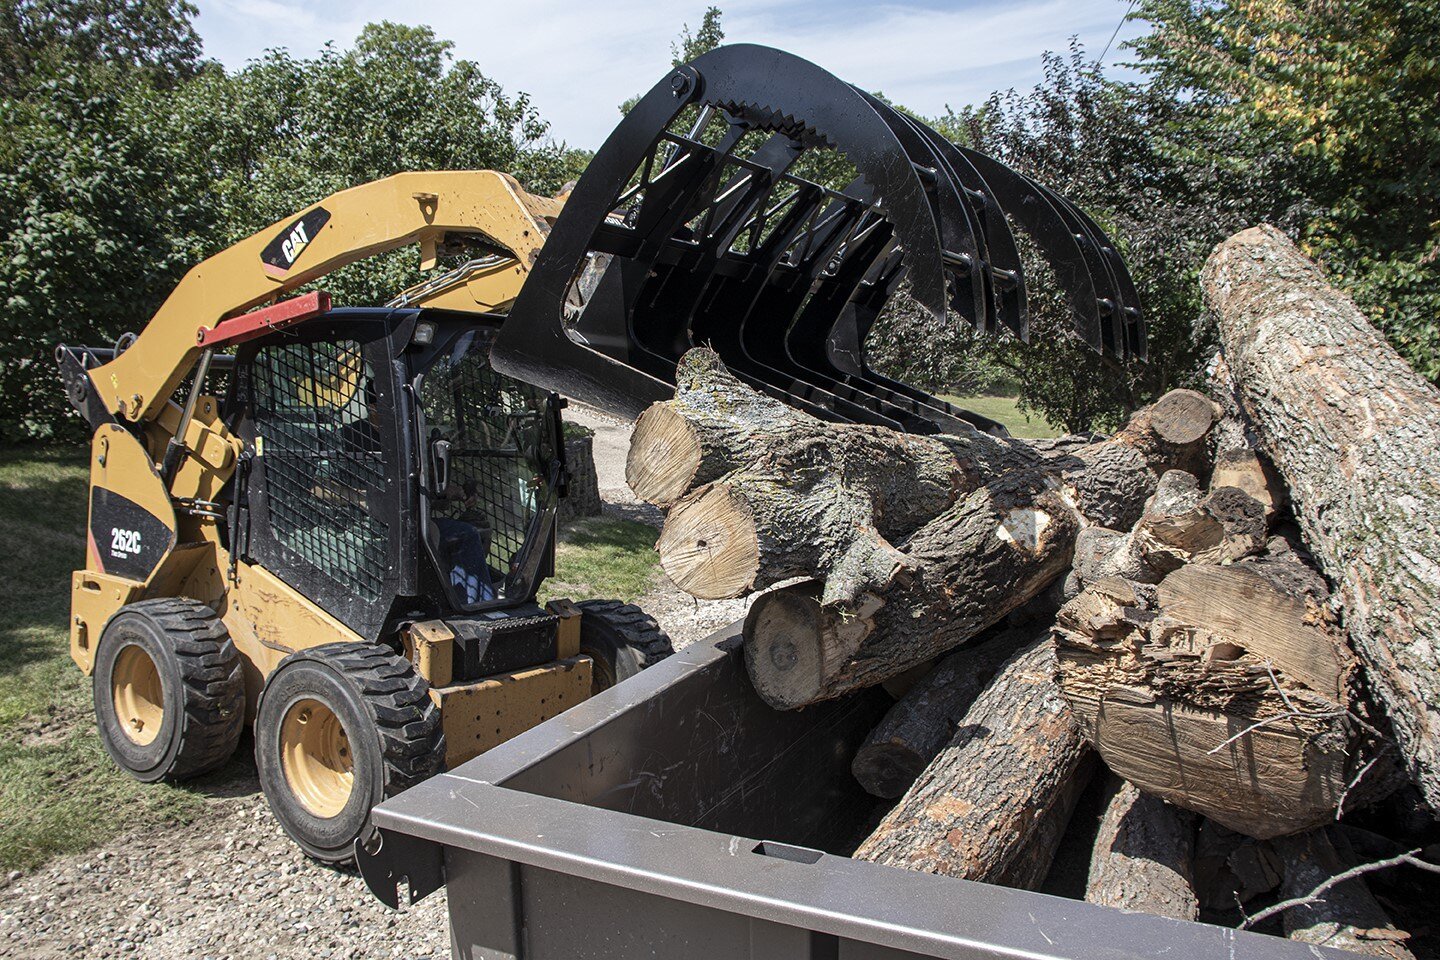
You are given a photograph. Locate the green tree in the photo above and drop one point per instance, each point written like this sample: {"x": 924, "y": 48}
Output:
{"x": 102, "y": 212}
{"x": 1347, "y": 92}
{"x": 155, "y": 35}
{"x": 117, "y": 175}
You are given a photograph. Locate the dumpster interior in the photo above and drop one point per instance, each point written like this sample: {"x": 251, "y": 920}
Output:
{"x": 706, "y": 752}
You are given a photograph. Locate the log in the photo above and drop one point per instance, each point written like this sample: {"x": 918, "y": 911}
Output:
{"x": 1225, "y": 690}
{"x": 716, "y": 425}
{"x": 994, "y": 803}
{"x": 1232, "y": 869}
{"x": 582, "y": 487}
{"x": 1180, "y": 525}
{"x": 1237, "y": 460}
{"x": 1354, "y": 431}
{"x": 761, "y": 493}
{"x": 1144, "y": 855}
{"x": 959, "y": 574}
{"x": 921, "y": 722}
{"x": 1172, "y": 432}
{"x": 991, "y": 552}
{"x": 1345, "y": 916}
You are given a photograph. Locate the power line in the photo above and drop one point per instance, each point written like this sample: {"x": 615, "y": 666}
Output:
{"x": 1123, "y": 18}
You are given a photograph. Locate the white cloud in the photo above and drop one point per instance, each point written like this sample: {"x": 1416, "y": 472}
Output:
{"x": 579, "y": 60}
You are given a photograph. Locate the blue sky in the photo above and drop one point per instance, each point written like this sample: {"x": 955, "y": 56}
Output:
{"x": 579, "y": 59}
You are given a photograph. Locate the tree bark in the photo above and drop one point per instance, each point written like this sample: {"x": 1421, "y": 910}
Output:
{"x": 1223, "y": 689}
{"x": 716, "y": 425}
{"x": 1354, "y": 431}
{"x": 1346, "y": 916}
{"x": 582, "y": 494}
{"x": 994, "y": 803}
{"x": 923, "y": 721}
{"x": 1144, "y": 855}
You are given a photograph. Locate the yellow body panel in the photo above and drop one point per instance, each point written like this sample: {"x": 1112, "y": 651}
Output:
{"x": 567, "y": 639}
{"x": 480, "y": 715}
{"x": 433, "y": 651}
{"x": 94, "y": 598}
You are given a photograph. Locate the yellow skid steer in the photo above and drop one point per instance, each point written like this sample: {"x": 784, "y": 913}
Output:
{"x": 332, "y": 523}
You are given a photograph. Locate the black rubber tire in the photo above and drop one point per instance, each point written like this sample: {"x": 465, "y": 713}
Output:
{"x": 202, "y": 683}
{"x": 621, "y": 638}
{"x": 393, "y": 728}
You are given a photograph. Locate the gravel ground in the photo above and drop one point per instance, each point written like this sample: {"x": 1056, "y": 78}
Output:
{"x": 231, "y": 884}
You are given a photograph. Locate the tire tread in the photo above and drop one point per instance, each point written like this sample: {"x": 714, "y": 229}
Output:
{"x": 212, "y": 682}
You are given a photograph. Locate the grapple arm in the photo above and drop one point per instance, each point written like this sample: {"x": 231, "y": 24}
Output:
{"x": 703, "y": 220}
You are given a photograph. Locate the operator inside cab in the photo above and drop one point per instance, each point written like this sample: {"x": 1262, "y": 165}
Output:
{"x": 490, "y": 450}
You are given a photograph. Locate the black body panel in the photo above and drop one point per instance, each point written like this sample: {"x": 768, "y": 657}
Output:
{"x": 130, "y": 541}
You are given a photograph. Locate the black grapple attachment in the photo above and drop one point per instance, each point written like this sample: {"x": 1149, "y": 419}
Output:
{"x": 754, "y": 203}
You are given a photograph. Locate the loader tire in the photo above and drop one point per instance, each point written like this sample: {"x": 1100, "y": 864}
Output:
{"x": 339, "y": 728}
{"x": 622, "y": 639}
{"x": 169, "y": 690}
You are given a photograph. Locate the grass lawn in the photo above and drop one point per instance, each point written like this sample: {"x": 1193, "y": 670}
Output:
{"x": 1007, "y": 411}
{"x": 59, "y": 792}
{"x": 602, "y": 557}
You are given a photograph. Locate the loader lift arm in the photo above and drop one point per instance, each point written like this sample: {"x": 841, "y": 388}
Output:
{"x": 433, "y": 209}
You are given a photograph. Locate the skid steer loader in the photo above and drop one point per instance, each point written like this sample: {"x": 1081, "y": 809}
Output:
{"x": 331, "y": 522}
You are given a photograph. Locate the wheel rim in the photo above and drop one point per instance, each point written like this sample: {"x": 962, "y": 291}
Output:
{"x": 138, "y": 694}
{"x": 316, "y": 757}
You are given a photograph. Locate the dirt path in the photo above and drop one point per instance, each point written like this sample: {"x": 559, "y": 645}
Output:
{"x": 231, "y": 884}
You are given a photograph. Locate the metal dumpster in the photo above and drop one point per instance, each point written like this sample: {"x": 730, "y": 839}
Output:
{"x": 677, "y": 816}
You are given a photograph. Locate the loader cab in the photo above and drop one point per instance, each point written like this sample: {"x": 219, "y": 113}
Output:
{"x": 395, "y": 475}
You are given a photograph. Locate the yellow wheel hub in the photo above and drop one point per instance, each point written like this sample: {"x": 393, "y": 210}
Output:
{"x": 139, "y": 695}
{"x": 315, "y": 755}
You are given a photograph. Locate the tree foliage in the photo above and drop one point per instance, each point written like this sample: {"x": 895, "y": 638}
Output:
{"x": 1093, "y": 140}
{"x": 123, "y": 170}
{"x": 38, "y": 36}
{"x": 1348, "y": 93}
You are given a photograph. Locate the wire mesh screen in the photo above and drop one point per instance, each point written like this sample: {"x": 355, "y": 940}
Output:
{"x": 324, "y": 470}
{"x": 499, "y": 443}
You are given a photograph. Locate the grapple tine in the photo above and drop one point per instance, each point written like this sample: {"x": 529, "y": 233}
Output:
{"x": 843, "y": 354}
{"x": 1127, "y": 314}
{"x": 1002, "y": 269}
{"x": 963, "y": 242}
{"x": 670, "y": 241}
{"x": 1030, "y": 207}
{"x": 1092, "y": 249}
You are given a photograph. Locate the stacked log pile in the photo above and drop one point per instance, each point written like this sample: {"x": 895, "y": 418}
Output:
{"x": 1226, "y": 616}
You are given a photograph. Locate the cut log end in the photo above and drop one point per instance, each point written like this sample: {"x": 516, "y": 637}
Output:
{"x": 1183, "y": 416}
{"x": 709, "y": 547}
{"x": 664, "y": 456}
{"x": 785, "y": 649}
{"x": 887, "y": 768}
